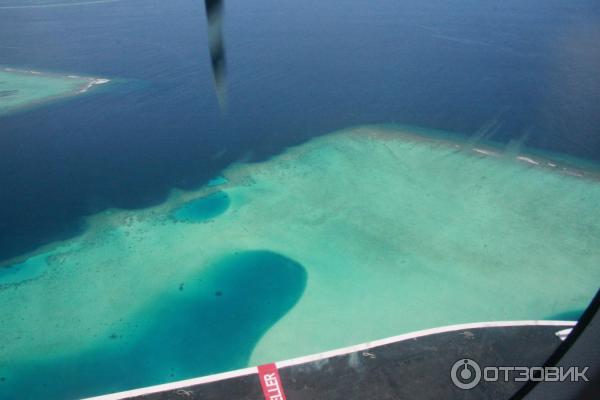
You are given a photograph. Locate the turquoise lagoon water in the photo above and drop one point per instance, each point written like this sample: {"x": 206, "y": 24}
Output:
{"x": 219, "y": 180}
{"x": 211, "y": 320}
{"x": 357, "y": 235}
{"x": 203, "y": 208}
{"x": 395, "y": 229}
{"x": 29, "y": 269}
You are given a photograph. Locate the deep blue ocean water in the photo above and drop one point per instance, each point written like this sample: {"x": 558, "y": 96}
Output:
{"x": 295, "y": 70}
{"x": 520, "y": 70}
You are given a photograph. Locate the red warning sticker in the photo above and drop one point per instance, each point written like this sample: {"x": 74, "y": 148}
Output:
{"x": 271, "y": 382}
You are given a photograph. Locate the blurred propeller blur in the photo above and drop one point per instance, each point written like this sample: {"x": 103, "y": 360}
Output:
{"x": 214, "y": 14}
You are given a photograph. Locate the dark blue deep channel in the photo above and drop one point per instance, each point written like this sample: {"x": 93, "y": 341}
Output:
{"x": 205, "y": 325}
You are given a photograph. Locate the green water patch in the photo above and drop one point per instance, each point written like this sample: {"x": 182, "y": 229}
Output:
{"x": 206, "y": 324}
{"x": 203, "y": 208}
{"x": 217, "y": 181}
{"x": 23, "y": 89}
{"x": 32, "y": 268}
{"x": 571, "y": 315}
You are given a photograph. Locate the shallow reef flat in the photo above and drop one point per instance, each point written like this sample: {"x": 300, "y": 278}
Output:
{"x": 20, "y": 89}
{"x": 367, "y": 233}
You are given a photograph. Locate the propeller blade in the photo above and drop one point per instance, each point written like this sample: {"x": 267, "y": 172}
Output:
{"x": 214, "y": 15}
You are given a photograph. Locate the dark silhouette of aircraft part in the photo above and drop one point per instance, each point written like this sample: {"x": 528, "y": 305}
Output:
{"x": 214, "y": 15}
